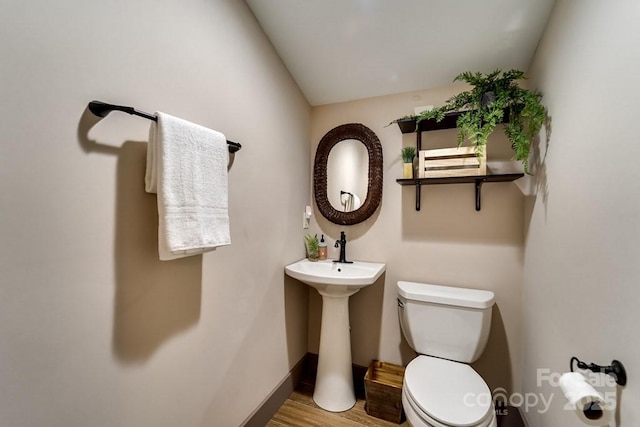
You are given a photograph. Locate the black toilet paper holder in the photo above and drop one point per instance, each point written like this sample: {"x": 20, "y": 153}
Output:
{"x": 616, "y": 369}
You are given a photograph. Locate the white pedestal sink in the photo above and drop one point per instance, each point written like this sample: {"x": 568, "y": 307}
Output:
{"x": 336, "y": 282}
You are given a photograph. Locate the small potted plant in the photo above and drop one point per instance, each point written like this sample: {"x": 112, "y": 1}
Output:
{"x": 493, "y": 98}
{"x": 408, "y": 153}
{"x": 312, "y": 245}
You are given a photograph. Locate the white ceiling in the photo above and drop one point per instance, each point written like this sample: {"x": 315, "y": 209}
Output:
{"x": 341, "y": 50}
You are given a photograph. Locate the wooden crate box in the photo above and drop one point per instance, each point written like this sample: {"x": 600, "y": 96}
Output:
{"x": 447, "y": 162}
{"x": 383, "y": 391}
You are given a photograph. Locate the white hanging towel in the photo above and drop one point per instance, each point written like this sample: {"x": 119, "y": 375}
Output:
{"x": 187, "y": 168}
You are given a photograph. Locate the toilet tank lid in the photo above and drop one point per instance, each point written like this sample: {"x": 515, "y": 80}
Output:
{"x": 449, "y": 295}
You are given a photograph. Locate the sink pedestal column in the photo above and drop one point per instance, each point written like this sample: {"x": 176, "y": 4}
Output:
{"x": 334, "y": 379}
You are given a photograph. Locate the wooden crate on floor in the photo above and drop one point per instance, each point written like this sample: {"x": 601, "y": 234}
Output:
{"x": 383, "y": 390}
{"x": 446, "y": 162}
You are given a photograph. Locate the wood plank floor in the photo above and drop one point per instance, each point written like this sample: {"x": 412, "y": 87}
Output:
{"x": 300, "y": 410}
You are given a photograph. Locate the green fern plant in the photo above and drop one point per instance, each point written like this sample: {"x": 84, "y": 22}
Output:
{"x": 492, "y": 96}
{"x": 312, "y": 245}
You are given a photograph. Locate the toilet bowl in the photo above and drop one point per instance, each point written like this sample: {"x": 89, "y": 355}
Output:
{"x": 442, "y": 393}
{"x": 448, "y": 327}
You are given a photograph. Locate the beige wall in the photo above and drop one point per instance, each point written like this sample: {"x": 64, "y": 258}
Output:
{"x": 446, "y": 243}
{"x": 94, "y": 330}
{"x": 581, "y": 270}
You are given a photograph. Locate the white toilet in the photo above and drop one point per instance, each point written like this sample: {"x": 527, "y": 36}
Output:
{"x": 449, "y": 328}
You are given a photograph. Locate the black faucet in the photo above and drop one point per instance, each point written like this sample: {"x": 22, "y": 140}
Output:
{"x": 343, "y": 249}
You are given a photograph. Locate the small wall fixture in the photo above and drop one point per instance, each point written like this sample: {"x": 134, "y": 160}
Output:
{"x": 616, "y": 369}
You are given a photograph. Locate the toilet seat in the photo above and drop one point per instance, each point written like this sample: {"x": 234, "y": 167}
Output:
{"x": 417, "y": 418}
{"x": 446, "y": 393}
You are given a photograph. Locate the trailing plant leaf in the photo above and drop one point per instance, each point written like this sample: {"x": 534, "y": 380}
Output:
{"x": 436, "y": 114}
{"x": 483, "y": 107}
{"x": 400, "y": 119}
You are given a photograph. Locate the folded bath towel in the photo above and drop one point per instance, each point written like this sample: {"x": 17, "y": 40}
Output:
{"x": 187, "y": 168}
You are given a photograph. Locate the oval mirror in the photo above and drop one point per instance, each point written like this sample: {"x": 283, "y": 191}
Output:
{"x": 347, "y": 178}
{"x": 343, "y": 198}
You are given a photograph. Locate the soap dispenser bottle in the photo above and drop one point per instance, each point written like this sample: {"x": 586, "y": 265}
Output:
{"x": 322, "y": 248}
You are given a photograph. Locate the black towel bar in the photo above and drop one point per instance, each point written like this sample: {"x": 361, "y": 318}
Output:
{"x": 101, "y": 109}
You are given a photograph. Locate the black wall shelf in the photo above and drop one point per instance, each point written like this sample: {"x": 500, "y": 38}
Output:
{"x": 478, "y": 180}
{"x": 449, "y": 122}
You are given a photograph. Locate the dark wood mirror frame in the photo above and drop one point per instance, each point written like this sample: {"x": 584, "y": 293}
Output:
{"x": 365, "y": 135}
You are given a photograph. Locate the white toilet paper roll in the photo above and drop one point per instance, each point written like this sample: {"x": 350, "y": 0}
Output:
{"x": 589, "y": 405}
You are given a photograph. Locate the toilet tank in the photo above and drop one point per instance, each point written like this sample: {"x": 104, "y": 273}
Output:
{"x": 445, "y": 321}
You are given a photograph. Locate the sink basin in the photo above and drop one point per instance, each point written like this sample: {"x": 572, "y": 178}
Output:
{"x": 336, "y": 282}
{"x": 335, "y": 278}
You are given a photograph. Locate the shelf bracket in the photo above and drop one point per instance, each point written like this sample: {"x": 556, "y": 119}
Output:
{"x": 418, "y": 183}
{"x": 478, "y": 188}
